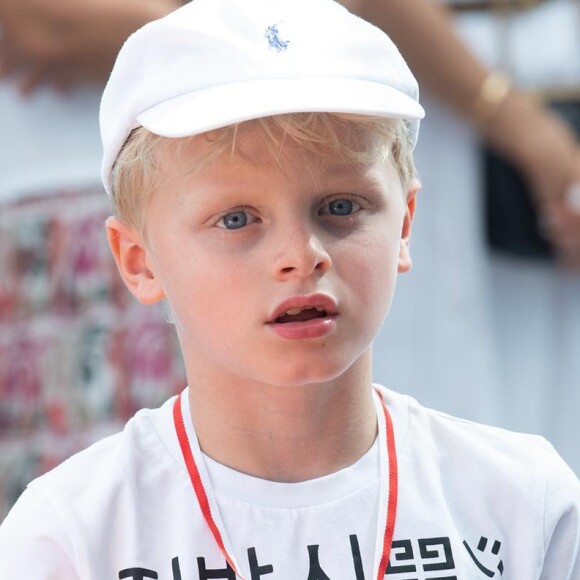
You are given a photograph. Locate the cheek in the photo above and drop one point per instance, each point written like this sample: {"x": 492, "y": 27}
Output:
{"x": 210, "y": 296}
{"x": 376, "y": 252}
{"x": 375, "y": 283}
{"x": 372, "y": 271}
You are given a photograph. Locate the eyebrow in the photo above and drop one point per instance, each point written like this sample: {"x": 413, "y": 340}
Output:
{"x": 367, "y": 173}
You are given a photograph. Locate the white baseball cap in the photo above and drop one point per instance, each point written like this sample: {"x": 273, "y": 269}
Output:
{"x": 212, "y": 63}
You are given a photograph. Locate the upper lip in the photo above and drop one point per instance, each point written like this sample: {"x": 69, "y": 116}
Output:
{"x": 311, "y": 301}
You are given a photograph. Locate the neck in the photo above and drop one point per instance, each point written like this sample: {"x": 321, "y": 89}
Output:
{"x": 285, "y": 434}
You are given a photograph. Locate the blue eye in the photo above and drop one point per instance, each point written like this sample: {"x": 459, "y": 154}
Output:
{"x": 340, "y": 207}
{"x": 235, "y": 220}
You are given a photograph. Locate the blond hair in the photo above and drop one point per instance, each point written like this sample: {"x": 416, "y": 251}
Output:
{"x": 355, "y": 139}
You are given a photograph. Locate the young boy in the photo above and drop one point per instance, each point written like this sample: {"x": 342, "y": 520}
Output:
{"x": 258, "y": 154}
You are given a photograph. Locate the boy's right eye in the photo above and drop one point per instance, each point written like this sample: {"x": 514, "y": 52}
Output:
{"x": 235, "y": 220}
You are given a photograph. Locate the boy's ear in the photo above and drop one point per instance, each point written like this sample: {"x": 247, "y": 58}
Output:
{"x": 405, "y": 262}
{"x": 131, "y": 257}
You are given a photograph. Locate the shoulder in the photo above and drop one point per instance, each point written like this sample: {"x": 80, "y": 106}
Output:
{"x": 79, "y": 502}
{"x": 35, "y": 543}
{"x": 483, "y": 447}
{"x": 109, "y": 462}
{"x": 490, "y": 478}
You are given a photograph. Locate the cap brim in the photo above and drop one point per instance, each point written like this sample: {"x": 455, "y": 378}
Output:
{"x": 205, "y": 110}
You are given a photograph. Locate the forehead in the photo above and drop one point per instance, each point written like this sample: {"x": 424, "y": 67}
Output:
{"x": 332, "y": 145}
{"x": 194, "y": 173}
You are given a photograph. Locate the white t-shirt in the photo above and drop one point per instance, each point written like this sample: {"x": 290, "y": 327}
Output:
{"x": 475, "y": 502}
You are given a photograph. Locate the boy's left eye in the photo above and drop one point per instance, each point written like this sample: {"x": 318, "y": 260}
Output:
{"x": 236, "y": 220}
{"x": 339, "y": 207}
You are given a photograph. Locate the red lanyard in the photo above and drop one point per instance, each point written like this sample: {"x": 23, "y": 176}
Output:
{"x": 203, "y": 500}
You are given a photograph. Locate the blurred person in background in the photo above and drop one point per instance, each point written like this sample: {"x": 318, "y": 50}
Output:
{"x": 498, "y": 330}
{"x": 77, "y": 355}
{"x": 62, "y": 367}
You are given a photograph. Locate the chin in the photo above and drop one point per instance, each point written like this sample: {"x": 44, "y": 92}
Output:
{"x": 316, "y": 372}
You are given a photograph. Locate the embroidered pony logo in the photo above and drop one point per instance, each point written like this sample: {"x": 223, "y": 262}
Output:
{"x": 274, "y": 40}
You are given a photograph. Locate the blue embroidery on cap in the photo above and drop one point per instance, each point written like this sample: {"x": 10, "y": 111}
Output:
{"x": 274, "y": 41}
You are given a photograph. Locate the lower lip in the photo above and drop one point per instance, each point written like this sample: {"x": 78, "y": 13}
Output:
{"x": 315, "y": 328}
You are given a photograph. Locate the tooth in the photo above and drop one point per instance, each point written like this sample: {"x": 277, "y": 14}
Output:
{"x": 293, "y": 311}
{"x": 319, "y": 309}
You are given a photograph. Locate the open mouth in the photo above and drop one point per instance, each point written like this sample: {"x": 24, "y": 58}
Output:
{"x": 302, "y": 314}
{"x": 304, "y": 317}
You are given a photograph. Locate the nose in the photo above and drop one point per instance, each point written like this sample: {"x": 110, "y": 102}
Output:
{"x": 300, "y": 253}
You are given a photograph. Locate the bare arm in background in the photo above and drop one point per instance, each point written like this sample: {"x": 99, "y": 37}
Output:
{"x": 534, "y": 139}
{"x": 65, "y": 43}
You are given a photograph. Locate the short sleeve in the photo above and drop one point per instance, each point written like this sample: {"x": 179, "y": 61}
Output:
{"x": 561, "y": 522}
{"x": 34, "y": 543}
